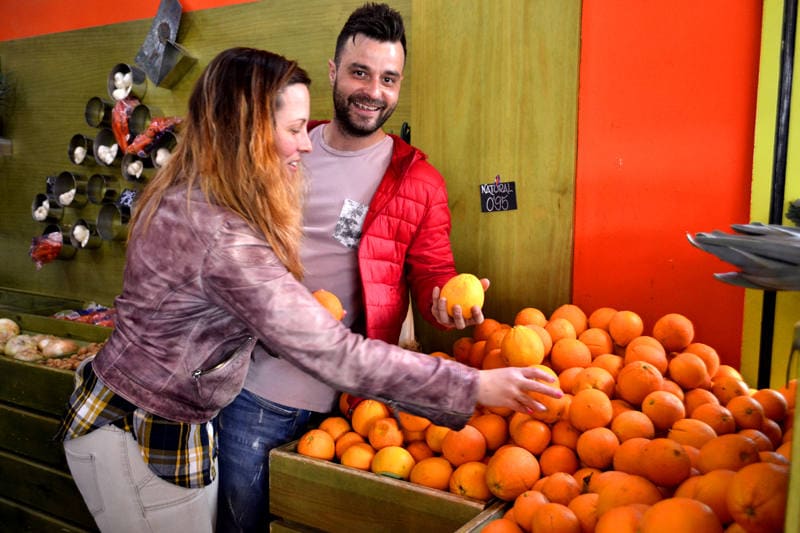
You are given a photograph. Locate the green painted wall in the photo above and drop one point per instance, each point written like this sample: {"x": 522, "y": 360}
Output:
{"x": 57, "y": 74}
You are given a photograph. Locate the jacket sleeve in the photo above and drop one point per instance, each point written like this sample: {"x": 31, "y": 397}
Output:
{"x": 242, "y": 275}
{"x": 429, "y": 261}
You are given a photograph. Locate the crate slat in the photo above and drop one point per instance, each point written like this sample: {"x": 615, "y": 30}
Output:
{"x": 328, "y": 496}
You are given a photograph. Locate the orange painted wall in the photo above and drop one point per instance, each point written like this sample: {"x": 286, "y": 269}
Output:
{"x": 665, "y": 142}
{"x": 27, "y": 18}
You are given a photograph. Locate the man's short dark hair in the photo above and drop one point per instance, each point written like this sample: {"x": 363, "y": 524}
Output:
{"x": 376, "y": 21}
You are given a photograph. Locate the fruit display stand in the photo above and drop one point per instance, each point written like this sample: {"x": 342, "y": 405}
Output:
{"x": 311, "y": 494}
{"x": 37, "y": 492}
{"x": 793, "y": 500}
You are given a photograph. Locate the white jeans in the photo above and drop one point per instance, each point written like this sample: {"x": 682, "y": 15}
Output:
{"x": 124, "y": 495}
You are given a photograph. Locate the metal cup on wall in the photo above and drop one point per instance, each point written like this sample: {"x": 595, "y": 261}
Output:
{"x": 126, "y": 80}
{"x": 69, "y": 189}
{"x": 45, "y": 208}
{"x": 98, "y": 112}
{"x": 141, "y": 116}
{"x": 84, "y": 235}
{"x": 103, "y": 189}
{"x": 81, "y": 149}
{"x": 133, "y": 167}
{"x": 106, "y": 149}
{"x": 112, "y": 222}
{"x": 67, "y": 251}
{"x": 163, "y": 148}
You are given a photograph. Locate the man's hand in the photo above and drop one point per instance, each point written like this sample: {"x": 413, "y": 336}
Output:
{"x": 439, "y": 310}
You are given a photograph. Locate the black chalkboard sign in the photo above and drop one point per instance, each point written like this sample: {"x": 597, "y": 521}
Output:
{"x": 498, "y": 196}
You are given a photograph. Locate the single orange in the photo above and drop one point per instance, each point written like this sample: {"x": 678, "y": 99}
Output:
{"x": 773, "y": 402}
{"x": 393, "y": 461}
{"x": 665, "y": 462}
{"x": 385, "y": 432}
{"x": 691, "y": 431}
{"x": 335, "y": 425}
{"x": 330, "y": 302}
{"x": 530, "y": 315}
{"x": 493, "y": 427}
{"x": 554, "y": 517}
{"x": 365, "y": 413}
{"x": 708, "y": 354}
{"x": 717, "y": 416}
{"x": 464, "y": 290}
{"x": 568, "y": 353}
{"x": 594, "y": 377}
{"x": 679, "y": 514}
{"x": 649, "y": 350}
{"x": 600, "y": 317}
{"x": 469, "y": 479}
{"x": 674, "y": 331}
{"x": 596, "y": 447}
{"x": 625, "y": 489}
{"x": 432, "y": 472}
{"x": 663, "y": 408}
{"x": 419, "y": 450}
{"x": 558, "y": 458}
{"x": 585, "y": 508}
{"x": 598, "y": 341}
{"x": 631, "y": 424}
{"x": 533, "y": 435}
{"x": 464, "y": 445}
{"x": 358, "y": 455}
{"x": 731, "y": 451}
{"x": 560, "y": 328}
{"x": 574, "y": 314}
{"x": 590, "y": 408}
{"x": 746, "y": 411}
{"x": 511, "y": 471}
{"x": 317, "y": 443}
{"x": 611, "y": 362}
{"x": 628, "y": 456}
{"x": 461, "y": 348}
{"x": 636, "y": 380}
{"x": 688, "y": 370}
{"x": 521, "y": 346}
{"x": 560, "y": 487}
{"x": 621, "y": 519}
{"x": 524, "y": 506}
{"x": 345, "y": 441}
{"x": 625, "y": 326}
{"x": 434, "y": 435}
{"x": 695, "y": 397}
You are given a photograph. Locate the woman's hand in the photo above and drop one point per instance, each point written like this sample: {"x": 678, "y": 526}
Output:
{"x": 439, "y": 310}
{"x": 509, "y": 387}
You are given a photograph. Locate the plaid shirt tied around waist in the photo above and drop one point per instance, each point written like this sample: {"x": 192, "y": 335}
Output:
{"x": 178, "y": 452}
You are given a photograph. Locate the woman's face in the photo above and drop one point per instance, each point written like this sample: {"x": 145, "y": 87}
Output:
{"x": 291, "y": 135}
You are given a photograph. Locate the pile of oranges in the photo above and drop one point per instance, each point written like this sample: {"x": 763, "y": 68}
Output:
{"x": 653, "y": 434}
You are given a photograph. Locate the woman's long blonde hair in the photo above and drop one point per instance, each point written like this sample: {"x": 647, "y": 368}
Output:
{"x": 227, "y": 148}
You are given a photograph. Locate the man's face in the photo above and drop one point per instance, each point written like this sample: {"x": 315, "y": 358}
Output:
{"x": 366, "y": 84}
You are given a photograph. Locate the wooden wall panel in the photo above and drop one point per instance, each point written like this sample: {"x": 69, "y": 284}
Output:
{"x": 495, "y": 92}
{"x": 57, "y": 74}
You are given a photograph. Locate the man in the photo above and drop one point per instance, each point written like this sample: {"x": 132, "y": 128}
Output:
{"x": 377, "y": 225}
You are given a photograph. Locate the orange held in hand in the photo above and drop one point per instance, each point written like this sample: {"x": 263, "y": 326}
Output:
{"x": 464, "y": 290}
{"x": 330, "y": 302}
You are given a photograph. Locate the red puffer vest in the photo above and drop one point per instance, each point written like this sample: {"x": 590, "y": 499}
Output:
{"x": 405, "y": 242}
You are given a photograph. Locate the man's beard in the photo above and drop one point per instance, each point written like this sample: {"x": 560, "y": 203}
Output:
{"x": 341, "y": 108}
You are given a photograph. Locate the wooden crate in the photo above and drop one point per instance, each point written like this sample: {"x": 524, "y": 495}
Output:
{"x": 37, "y": 492}
{"x": 311, "y": 494}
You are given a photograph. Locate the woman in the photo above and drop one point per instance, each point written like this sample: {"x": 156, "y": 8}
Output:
{"x": 212, "y": 268}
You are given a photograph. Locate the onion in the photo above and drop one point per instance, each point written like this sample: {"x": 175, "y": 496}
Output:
{"x": 56, "y": 347}
{"x": 8, "y": 329}
{"x": 20, "y": 343}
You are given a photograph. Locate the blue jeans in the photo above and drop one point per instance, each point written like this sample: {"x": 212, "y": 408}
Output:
{"x": 248, "y": 429}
